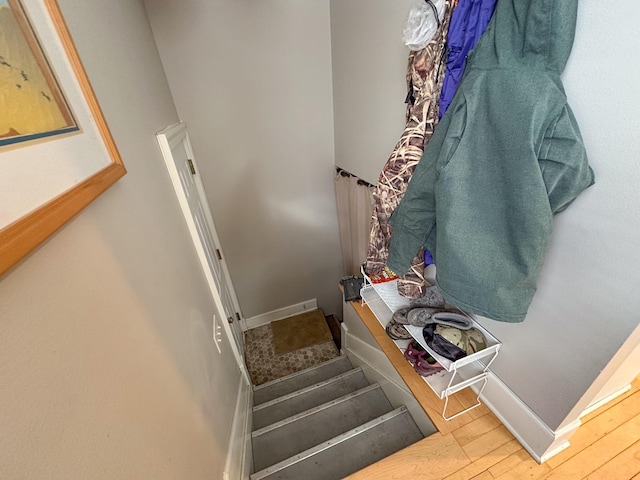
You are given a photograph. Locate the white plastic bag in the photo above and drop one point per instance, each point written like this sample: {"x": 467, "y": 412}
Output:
{"x": 422, "y": 23}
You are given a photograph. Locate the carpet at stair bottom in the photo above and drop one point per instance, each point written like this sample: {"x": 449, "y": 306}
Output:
{"x": 265, "y": 365}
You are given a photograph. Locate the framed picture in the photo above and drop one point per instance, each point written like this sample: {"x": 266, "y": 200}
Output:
{"x": 56, "y": 152}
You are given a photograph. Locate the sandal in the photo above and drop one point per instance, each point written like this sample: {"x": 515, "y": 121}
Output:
{"x": 397, "y": 331}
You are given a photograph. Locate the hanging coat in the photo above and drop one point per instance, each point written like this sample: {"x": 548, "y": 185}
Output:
{"x": 506, "y": 156}
{"x": 424, "y": 81}
{"x": 468, "y": 23}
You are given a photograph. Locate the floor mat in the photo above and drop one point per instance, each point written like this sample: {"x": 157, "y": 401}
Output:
{"x": 265, "y": 365}
{"x": 299, "y": 331}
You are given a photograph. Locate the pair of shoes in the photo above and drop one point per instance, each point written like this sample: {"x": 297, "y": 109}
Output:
{"x": 423, "y": 363}
{"x": 415, "y": 352}
{"x": 424, "y": 368}
{"x": 396, "y": 331}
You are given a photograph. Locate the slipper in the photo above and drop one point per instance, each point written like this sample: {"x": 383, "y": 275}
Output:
{"x": 400, "y": 315}
{"x": 453, "y": 319}
{"x": 424, "y": 368}
{"x": 420, "y": 317}
{"x": 397, "y": 331}
{"x": 430, "y": 298}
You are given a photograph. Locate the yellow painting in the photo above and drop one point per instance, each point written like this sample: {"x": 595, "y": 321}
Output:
{"x": 31, "y": 103}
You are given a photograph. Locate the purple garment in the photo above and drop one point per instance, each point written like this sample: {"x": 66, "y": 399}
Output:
{"x": 468, "y": 23}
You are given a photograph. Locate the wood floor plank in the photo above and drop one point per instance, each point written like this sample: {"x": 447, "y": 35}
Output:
{"x": 479, "y": 411}
{"x": 468, "y": 397}
{"x": 592, "y": 431}
{"x": 435, "y": 408}
{"x": 432, "y": 458}
{"x": 525, "y": 468}
{"x": 458, "y": 402}
{"x": 591, "y": 458}
{"x": 486, "y": 461}
{"x": 509, "y": 463}
{"x": 474, "y": 429}
{"x": 529, "y": 471}
{"x": 483, "y": 476}
{"x": 487, "y": 443}
{"x": 622, "y": 466}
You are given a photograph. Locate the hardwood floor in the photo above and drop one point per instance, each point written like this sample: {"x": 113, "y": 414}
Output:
{"x": 477, "y": 446}
{"x": 606, "y": 446}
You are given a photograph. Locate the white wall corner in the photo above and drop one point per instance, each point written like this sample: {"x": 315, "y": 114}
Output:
{"x": 280, "y": 313}
{"x": 239, "y": 456}
{"x": 561, "y": 440}
{"x": 534, "y": 435}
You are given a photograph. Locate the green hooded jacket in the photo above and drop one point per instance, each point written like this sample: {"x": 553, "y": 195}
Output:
{"x": 505, "y": 157}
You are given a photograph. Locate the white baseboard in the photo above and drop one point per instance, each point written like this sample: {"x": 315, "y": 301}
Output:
{"x": 536, "y": 437}
{"x": 605, "y": 400}
{"x": 239, "y": 456}
{"x": 279, "y": 314}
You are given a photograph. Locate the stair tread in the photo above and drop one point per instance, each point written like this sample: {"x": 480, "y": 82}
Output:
{"x": 308, "y": 397}
{"x": 348, "y": 452}
{"x": 328, "y": 381}
{"x": 295, "y": 434}
{"x": 295, "y": 381}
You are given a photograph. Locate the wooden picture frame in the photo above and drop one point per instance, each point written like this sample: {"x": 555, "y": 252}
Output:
{"x": 85, "y": 158}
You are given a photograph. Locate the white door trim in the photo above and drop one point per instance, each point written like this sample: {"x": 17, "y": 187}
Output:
{"x": 168, "y": 139}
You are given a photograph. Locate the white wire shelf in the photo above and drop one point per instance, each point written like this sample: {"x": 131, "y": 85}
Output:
{"x": 383, "y": 299}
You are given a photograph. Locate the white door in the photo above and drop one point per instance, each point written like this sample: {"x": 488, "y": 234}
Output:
{"x": 178, "y": 155}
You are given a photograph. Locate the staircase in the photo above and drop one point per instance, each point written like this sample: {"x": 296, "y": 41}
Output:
{"x": 325, "y": 423}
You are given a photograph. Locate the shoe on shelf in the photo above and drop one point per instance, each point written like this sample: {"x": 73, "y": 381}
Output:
{"x": 396, "y": 331}
{"x": 400, "y": 315}
{"x": 424, "y": 368}
{"x": 414, "y": 352}
{"x": 421, "y": 317}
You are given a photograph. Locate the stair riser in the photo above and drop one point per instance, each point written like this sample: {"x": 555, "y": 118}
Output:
{"x": 336, "y": 459}
{"x": 326, "y": 422}
{"x": 340, "y": 386}
{"x": 300, "y": 380}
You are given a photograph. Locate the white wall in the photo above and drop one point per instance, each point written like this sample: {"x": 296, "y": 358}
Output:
{"x": 369, "y": 85}
{"x": 107, "y": 368}
{"x": 253, "y": 82}
{"x": 587, "y": 303}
